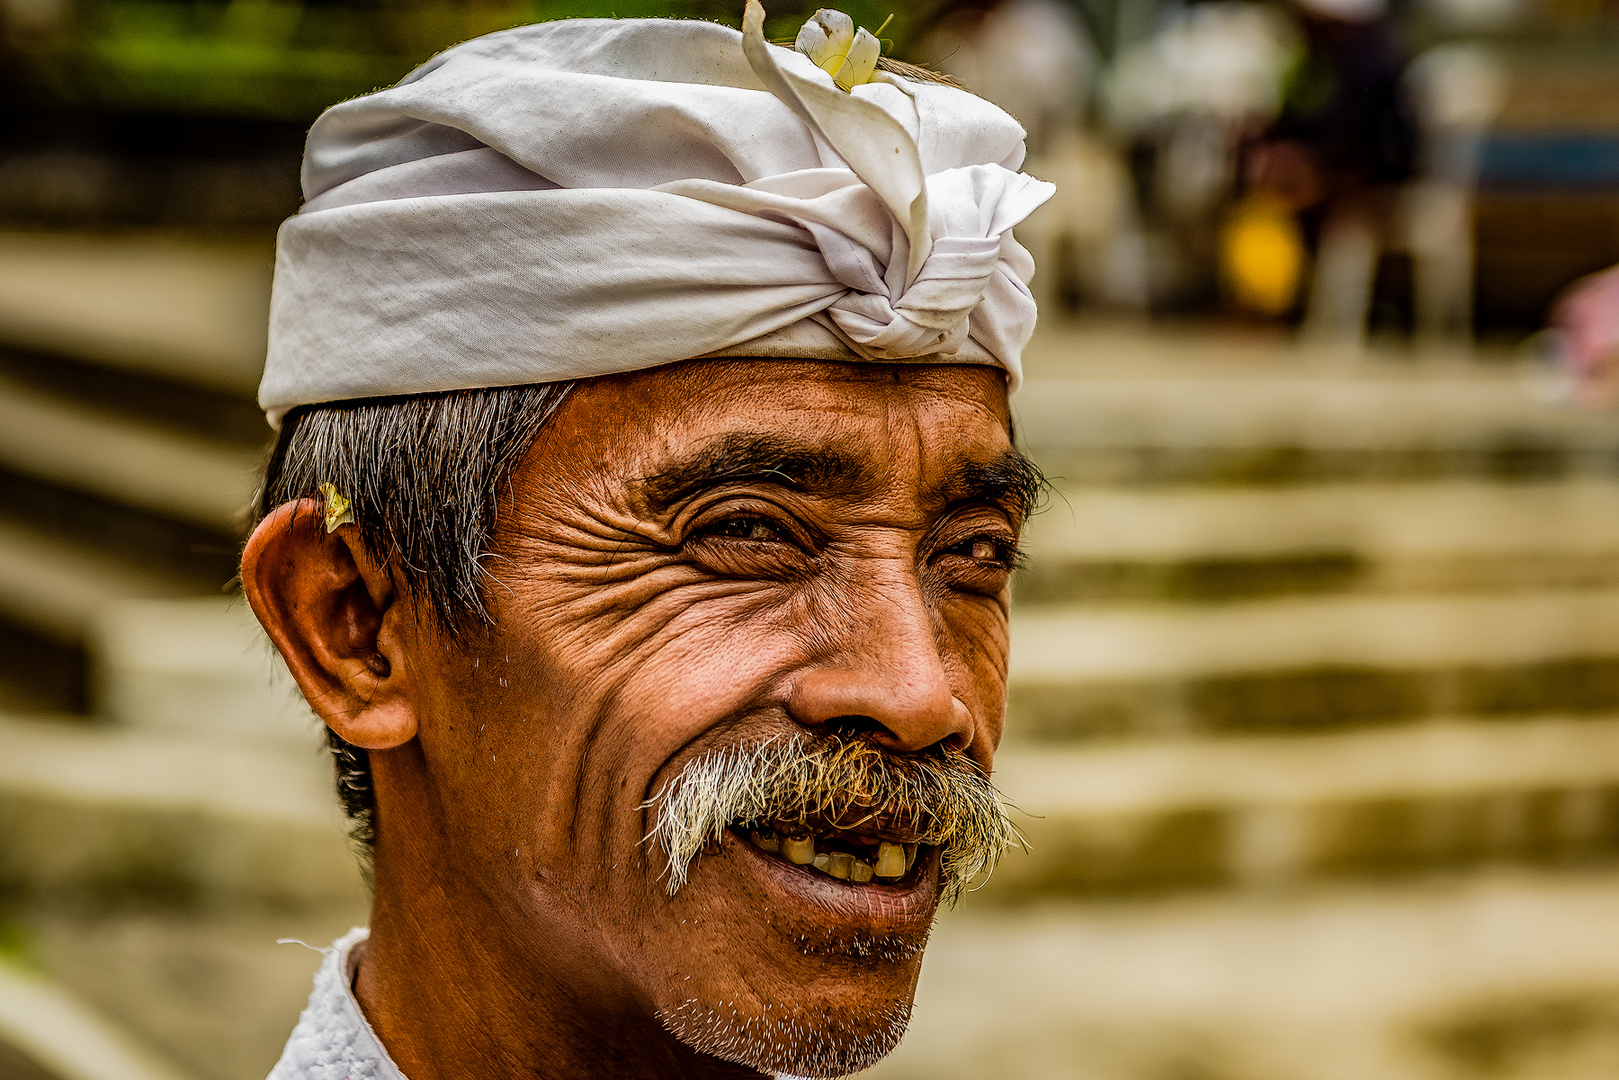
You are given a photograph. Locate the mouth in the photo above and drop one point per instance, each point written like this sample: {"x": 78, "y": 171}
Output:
{"x": 855, "y": 857}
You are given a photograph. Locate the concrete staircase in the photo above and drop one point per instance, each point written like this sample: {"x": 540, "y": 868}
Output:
{"x": 165, "y": 810}
{"x": 127, "y": 437}
{"x": 1290, "y": 617}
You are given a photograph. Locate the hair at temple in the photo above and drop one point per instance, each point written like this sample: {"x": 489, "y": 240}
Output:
{"x": 424, "y": 475}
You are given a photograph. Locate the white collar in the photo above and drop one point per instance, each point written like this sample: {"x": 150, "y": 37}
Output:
{"x": 333, "y": 1041}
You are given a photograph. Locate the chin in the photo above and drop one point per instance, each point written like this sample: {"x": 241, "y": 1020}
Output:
{"x": 827, "y": 990}
{"x": 792, "y": 1038}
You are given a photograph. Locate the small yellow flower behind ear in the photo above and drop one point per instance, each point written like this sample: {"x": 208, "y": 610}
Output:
{"x": 831, "y": 41}
{"x": 338, "y": 510}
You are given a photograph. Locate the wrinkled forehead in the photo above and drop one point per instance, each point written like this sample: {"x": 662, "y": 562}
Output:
{"x": 826, "y": 428}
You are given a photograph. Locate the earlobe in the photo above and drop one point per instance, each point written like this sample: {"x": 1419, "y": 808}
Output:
{"x": 326, "y": 605}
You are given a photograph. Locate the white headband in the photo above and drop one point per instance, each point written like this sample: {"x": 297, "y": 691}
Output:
{"x": 588, "y": 197}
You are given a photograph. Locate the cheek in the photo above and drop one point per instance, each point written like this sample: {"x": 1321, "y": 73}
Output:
{"x": 975, "y": 644}
{"x": 693, "y": 650}
{"x": 590, "y": 706}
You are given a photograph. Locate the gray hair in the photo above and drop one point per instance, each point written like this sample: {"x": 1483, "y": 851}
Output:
{"x": 425, "y": 477}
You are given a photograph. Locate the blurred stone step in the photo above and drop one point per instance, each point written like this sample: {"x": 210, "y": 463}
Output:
{"x": 199, "y": 667}
{"x": 1288, "y": 423}
{"x": 1445, "y": 796}
{"x": 49, "y": 1033}
{"x": 220, "y": 416}
{"x": 206, "y": 985}
{"x": 110, "y": 814}
{"x": 1512, "y": 975}
{"x": 187, "y": 309}
{"x": 57, "y": 583}
{"x": 100, "y": 505}
{"x": 1310, "y": 663}
{"x": 1095, "y": 545}
{"x": 154, "y": 469}
{"x": 58, "y": 589}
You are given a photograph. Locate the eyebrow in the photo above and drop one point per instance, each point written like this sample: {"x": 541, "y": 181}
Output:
{"x": 756, "y": 457}
{"x": 1009, "y": 480}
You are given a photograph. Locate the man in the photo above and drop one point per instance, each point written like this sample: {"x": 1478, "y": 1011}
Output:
{"x": 640, "y": 527}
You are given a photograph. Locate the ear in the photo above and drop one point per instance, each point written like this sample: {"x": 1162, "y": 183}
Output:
{"x": 327, "y": 607}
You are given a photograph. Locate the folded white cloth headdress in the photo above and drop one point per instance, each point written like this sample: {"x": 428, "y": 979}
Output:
{"x": 596, "y": 196}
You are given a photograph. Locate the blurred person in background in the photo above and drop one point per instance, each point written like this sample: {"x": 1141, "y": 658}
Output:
{"x": 664, "y": 694}
{"x": 1186, "y": 99}
{"x": 1455, "y": 90}
{"x": 1341, "y": 146}
{"x": 1585, "y": 339}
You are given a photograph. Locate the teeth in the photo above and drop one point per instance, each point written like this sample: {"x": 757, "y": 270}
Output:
{"x": 893, "y": 861}
{"x": 799, "y": 850}
{"x": 890, "y": 861}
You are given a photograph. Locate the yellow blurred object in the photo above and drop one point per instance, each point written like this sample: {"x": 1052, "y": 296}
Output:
{"x": 1261, "y": 256}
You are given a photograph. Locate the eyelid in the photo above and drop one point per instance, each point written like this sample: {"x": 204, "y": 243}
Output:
{"x": 978, "y": 521}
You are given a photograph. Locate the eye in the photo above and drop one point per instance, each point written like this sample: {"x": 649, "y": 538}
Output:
{"x": 981, "y": 549}
{"x": 754, "y": 529}
{"x": 990, "y": 550}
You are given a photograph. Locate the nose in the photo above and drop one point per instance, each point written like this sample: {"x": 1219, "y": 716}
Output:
{"x": 888, "y": 677}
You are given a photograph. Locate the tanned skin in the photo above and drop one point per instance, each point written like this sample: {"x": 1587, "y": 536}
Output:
{"x": 690, "y": 557}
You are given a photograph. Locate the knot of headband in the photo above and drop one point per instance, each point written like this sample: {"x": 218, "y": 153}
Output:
{"x": 596, "y": 196}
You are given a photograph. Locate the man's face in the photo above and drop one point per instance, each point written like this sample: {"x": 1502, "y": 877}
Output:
{"x": 697, "y": 558}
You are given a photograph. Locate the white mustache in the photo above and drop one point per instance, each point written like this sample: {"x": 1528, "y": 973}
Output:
{"x": 942, "y": 800}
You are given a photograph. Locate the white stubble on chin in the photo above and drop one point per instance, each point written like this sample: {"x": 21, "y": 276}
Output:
{"x": 790, "y": 1041}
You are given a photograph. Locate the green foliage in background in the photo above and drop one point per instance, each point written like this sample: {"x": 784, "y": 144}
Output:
{"x": 16, "y": 947}
{"x": 288, "y": 59}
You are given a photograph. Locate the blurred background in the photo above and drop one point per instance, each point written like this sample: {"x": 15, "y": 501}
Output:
{"x": 1315, "y": 690}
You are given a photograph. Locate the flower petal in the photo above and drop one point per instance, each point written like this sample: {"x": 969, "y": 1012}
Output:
{"x": 861, "y": 62}
{"x": 826, "y": 39}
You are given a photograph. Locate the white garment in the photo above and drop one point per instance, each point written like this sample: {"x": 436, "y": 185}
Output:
{"x": 593, "y": 196}
{"x": 333, "y": 1041}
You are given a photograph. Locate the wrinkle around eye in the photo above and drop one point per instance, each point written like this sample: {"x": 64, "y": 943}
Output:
{"x": 582, "y": 536}
{"x": 764, "y": 561}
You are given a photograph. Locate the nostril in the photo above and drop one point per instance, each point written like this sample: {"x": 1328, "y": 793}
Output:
{"x": 873, "y": 730}
{"x": 856, "y": 727}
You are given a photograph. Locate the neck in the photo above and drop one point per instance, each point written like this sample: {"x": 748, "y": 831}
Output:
{"x": 454, "y": 994}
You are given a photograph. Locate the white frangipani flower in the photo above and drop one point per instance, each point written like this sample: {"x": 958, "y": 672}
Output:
{"x": 831, "y": 41}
